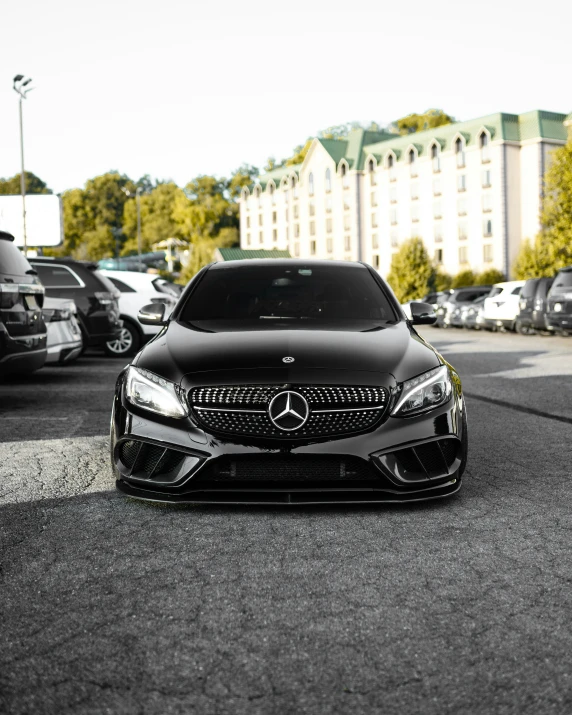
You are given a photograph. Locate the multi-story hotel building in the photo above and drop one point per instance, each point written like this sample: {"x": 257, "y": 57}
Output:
{"x": 471, "y": 190}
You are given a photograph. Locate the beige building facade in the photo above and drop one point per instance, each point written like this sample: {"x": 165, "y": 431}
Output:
{"x": 471, "y": 190}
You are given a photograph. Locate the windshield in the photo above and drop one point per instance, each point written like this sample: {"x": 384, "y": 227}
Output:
{"x": 563, "y": 280}
{"x": 12, "y": 262}
{"x": 278, "y": 296}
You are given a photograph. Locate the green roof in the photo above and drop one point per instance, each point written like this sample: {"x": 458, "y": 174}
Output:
{"x": 277, "y": 175}
{"x": 238, "y": 254}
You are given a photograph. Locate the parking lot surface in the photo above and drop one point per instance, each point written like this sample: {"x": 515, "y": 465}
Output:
{"x": 109, "y": 605}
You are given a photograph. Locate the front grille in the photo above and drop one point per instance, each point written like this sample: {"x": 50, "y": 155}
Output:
{"x": 145, "y": 460}
{"x": 289, "y": 469}
{"x": 333, "y": 410}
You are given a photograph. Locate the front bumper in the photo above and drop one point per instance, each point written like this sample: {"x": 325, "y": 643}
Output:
{"x": 401, "y": 460}
{"x": 559, "y": 321}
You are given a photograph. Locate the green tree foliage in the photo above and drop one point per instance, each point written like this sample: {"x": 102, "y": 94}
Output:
{"x": 412, "y": 273}
{"x": 243, "y": 176}
{"x": 34, "y": 185}
{"x": 419, "y": 122}
{"x": 552, "y": 247}
{"x": 299, "y": 154}
{"x": 489, "y": 277}
{"x": 157, "y": 220}
{"x": 441, "y": 281}
{"x": 464, "y": 279}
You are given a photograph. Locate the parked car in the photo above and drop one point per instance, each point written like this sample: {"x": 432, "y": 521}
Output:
{"x": 559, "y": 308}
{"x": 531, "y": 317}
{"x": 501, "y": 305}
{"x": 23, "y": 334}
{"x": 288, "y": 382}
{"x": 64, "y": 334}
{"x": 472, "y": 314}
{"x": 456, "y": 298}
{"x": 95, "y": 297}
{"x": 135, "y": 291}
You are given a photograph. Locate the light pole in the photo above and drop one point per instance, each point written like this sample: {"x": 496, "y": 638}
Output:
{"x": 137, "y": 195}
{"x": 20, "y": 84}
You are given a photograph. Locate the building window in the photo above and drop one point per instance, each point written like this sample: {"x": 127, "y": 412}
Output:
{"x": 274, "y": 217}
{"x": 328, "y": 180}
{"x": 392, "y": 194}
{"x": 346, "y": 203}
{"x": 462, "y": 207}
{"x": 248, "y": 239}
{"x": 487, "y": 227}
{"x": 435, "y": 159}
{"x": 274, "y": 234}
{"x": 371, "y": 170}
{"x": 296, "y": 211}
{"x": 462, "y": 182}
{"x": 415, "y": 191}
{"x": 463, "y": 254}
{"x": 248, "y": 222}
{"x": 463, "y": 231}
{"x": 438, "y": 233}
{"x": 296, "y": 230}
{"x": 245, "y": 196}
{"x": 260, "y": 219}
{"x": 311, "y": 184}
{"x": 271, "y": 192}
{"x": 391, "y": 167}
{"x": 312, "y": 248}
{"x": 347, "y": 222}
{"x": 484, "y": 142}
{"x": 312, "y": 228}
{"x": 374, "y": 220}
{"x": 439, "y": 256}
{"x": 437, "y": 209}
{"x": 374, "y": 241}
{"x": 286, "y": 215}
{"x": 330, "y": 245}
{"x": 297, "y": 250}
{"x": 286, "y": 195}
{"x": 312, "y": 208}
{"x": 394, "y": 239}
{"x": 260, "y": 237}
{"x": 415, "y": 213}
{"x": 328, "y": 205}
{"x": 294, "y": 185}
{"x": 488, "y": 253}
{"x": 460, "y": 153}
{"x": 347, "y": 243}
{"x": 487, "y": 202}
{"x": 345, "y": 176}
{"x": 329, "y": 225}
{"x": 412, "y": 162}
{"x": 486, "y": 178}
{"x": 436, "y": 187}
{"x": 376, "y": 261}
{"x": 393, "y": 216}
{"x": 373, "y": 198}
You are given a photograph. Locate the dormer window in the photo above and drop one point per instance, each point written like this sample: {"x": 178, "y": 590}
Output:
{"x": 435, "y": 158}
{"x": 460, "y": 152}
{"x": 391, "y": 167}
{"x": 311, "y": 184}
{"x": 412, "y": 156}
{"x": 257, "y": 194}
{"x": 345, "y": 175}
{"x": 271, "y": 188}
{"x": 484, "y": 141}
{"x": 371, "y": 171}
{"x": 328, "y": 180}
{"x": 294, "y": 185}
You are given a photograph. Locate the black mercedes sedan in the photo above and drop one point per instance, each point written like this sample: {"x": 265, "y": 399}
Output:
{"x": 288, "y": 382}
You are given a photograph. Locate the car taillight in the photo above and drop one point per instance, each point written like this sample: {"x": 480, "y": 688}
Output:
{"x": 9, "y": 293}
{"x": 107, "y": 298}
{"x": 522, "y": 304}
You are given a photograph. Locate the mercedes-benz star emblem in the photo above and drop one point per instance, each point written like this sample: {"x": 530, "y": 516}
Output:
{"x": 288, "y": 359}
{"x": 288, "y": 411}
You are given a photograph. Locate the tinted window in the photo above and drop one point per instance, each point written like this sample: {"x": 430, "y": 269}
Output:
{"x": 56, "y": 276}
{"x": 495, "y": 291}
{"x": 123, "y": 287}
{"x": 529, "y": 288}
{"x": 469, "y": 296}
{"x": 516, "y": 291}
{"x": 267, "y": 297}
{"x": 563, "y": 280}
{"x": 106, "y": 282}
{"x": 12, "y": 261}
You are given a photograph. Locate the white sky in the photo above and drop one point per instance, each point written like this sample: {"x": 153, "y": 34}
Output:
{"x": 175, "y": 89}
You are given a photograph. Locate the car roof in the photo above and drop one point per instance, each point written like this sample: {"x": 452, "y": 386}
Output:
{"x": 67, "y": 260}
{"x": 509, "y": 284}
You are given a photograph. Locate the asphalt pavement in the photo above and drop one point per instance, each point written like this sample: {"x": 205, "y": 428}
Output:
{"x": 108, "y": 605}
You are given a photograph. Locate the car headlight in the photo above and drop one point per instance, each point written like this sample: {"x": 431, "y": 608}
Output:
{"x": 424, "y": 392}
{"x": 151, "y": 392}
{"x": 558, "y": 307}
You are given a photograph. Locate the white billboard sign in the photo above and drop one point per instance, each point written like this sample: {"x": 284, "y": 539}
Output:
{"x": 44, "y": 226}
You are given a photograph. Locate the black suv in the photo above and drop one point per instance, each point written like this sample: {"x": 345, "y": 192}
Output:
{"x": 23, "y": 332}
{"x": 532, "y": 305}
{"x": 559, "y": 311}
{"x": 94, "y": 295}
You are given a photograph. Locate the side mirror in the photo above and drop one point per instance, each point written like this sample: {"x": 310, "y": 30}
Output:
{"x": 152, "y": 314}
{"x": 422, "y": 313}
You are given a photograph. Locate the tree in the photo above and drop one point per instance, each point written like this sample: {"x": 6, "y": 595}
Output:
{"x": 534, "y": 259}
{"x": 412, "y": 273}
{"x": 413, "y": 123}
{"x": 299, "y": 154}
{"x": 464, "y": 279}
{"x": 441, "y": 281}
{"x": 34, "y": 185}
{"x": 243, "y": 176}
{"x": 157, "y": 220}
{"x": 489, "y": 277}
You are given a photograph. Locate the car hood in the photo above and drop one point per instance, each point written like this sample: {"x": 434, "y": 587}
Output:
{"x": 179, "y": 351}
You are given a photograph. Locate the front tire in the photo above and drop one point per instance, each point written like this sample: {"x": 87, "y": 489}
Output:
{"x": 126, "y": 344}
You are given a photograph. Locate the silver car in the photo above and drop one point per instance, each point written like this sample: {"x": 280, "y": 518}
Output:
{"x": 64, "y": 335}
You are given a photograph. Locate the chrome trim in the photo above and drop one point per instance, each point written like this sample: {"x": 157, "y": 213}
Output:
{"x": 225, "y": 409}
{"x": 350, "y": 409}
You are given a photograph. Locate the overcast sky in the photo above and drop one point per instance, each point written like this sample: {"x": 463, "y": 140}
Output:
{"x": 178, "y": 88}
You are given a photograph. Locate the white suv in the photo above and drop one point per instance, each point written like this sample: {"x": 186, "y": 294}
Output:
{"x": 502, "y": 305}
{"x": 137, "y": 290}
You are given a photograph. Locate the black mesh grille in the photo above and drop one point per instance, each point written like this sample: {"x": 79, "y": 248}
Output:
{"x": 450, "y": 448}
{"x": 431, "y": 457}
{"x": 146, "y": 460}
{"x": 290, "y": 469}
{"x": 243, "y": 409}
{"x": 129, "y": 451}
{"x": 434, "y": 458}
